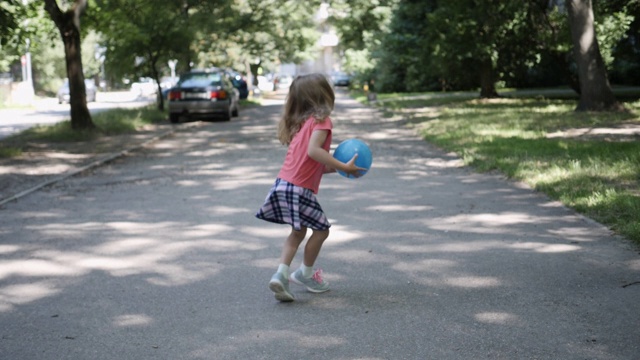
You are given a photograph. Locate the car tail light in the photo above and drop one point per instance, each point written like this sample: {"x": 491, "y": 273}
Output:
{"x": 175, "y": 95}
{"x": 218, "y": 94}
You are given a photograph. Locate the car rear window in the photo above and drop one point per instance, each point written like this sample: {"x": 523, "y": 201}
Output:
{"x": 200, "y": 79}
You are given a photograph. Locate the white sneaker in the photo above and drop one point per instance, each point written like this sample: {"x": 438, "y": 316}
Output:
{"x": 279, "y": 284}
{"x": 315, "y": 283}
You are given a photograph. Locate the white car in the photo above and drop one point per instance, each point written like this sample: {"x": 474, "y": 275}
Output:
{"x": 90, "y": 89}
{"x": 144, "y": 88}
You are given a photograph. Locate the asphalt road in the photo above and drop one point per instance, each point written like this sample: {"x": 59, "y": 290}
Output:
{"x": 158, "y": 256}
{"x": 47, "y": 111}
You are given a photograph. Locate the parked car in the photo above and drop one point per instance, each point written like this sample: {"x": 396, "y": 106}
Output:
{"x": 341, "y": 79}
{"x": 144, "y": 87}
{"x": 203, "y": 94}
{"x": 283, "y": 81}
{"x": 89, "y": 85}
{"x": 240, "y": 83}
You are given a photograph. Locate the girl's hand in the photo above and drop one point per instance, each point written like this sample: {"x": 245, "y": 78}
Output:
{"x": 351, "y": 169}
{"x": 331, "y": 164}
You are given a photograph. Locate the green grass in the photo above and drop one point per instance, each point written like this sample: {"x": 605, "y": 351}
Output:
{"x": 247, "y": 103}
{"x": 598, "y": 176}
{"x": 9, "y": 152}
{"x": 108, "y": 123}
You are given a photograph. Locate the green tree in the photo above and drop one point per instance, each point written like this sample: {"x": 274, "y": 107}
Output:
{"x": 361, "y": 26}
{"x": 141, "y": 36}
{"x": 618, "y": 29}
{"x": 267, "y": 31}
{"x": 20, "y": 22}
{"x": 404, "y": 56}
{"x": 11, "y": 13}
{"x": 68, "y": 24}
{"x": 483, "y": 39}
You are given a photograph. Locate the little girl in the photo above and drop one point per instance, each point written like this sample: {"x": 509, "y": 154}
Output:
{"x": 306, "y": 128}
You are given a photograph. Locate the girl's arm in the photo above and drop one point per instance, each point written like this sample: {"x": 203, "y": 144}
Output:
{"x": 317, "y": 153}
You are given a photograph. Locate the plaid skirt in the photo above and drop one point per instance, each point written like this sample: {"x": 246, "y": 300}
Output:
{"x": 293, "y": 205}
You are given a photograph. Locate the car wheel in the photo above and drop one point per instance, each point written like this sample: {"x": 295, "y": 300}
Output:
{"x": 174, "y": 118}
{"x": 227, "y": 116}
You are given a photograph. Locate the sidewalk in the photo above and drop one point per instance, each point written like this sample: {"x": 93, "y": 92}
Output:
{"x": 41, "y": 164}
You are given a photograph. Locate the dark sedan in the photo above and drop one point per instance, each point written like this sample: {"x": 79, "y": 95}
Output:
{"x": 90, "y": 88}
{"x": 203, "y": 94}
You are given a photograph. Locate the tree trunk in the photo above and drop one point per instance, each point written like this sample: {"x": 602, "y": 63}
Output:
{"x": 487, "y": 80}
{"x": 595, "y": 90}
{"x": 155, "y": 74}
{"x": 68, "y": 23}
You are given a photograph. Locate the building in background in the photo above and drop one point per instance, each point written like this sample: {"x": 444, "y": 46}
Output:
{"x": 327, "y": 60}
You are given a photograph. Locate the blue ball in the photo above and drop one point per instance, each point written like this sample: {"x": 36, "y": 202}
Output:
{"x": 348, "y": 148}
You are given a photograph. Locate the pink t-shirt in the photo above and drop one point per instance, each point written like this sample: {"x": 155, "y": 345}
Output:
{"x": 298, "y": 168}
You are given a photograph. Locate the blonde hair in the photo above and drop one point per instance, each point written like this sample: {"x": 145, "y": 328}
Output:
{"x": 309, "y": 96}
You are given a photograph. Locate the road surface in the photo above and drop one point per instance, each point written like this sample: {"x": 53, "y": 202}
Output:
{"x": 158, "y": 256}
{"x": 48, "y": 111}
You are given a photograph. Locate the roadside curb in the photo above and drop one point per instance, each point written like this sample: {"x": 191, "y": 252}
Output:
{"x": 97, "y": 163}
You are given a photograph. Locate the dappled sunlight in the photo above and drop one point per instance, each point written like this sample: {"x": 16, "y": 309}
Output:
{"x": 41, "y": 215}
{"x": 443, "y": 162}
{"x": 267, "y": 129}
{"x": 575, "y": 233}
{"x": 203, "y": 168}
{"x": 427, "y": 265}
{"x": 448, "y": 247}
{"x": 264, "y": 340}
{"x": 132, "y": 320}
{"x": 472, "y": 282}
{"x": 41, "y": 171}
{"x": 65, "y": 230}
{"x": 167, "y": 274}
{"x": 270, "y": 231}
{"x": 386, "y": 134}
{"x": 342, "y": 234}
{"x": 170, "y": 144}
{"x": 231, "y": 184}
{"x": 319, "y": 342}
{"x": 20, "y": 294}
{"x": 188, "y": 183}
{"x": 411, "y": 175}
{"x": 126, "y": 245}
{"x": 36, "y": 268}
{"x": 546, "y": 248}
{"x": 135, "y": 249}
{"x": 485, "y": 223}
{"x": 225, "y": 210}
{"x": 133, "y": 228}
{"x": 206, "y": 153}
{"x": 498, "y": 318}
{"x": 437, "y": 273}
{"x": 356, "y": 256}
{"x": 8, "y": 249}
{"x": 398, "y": 207}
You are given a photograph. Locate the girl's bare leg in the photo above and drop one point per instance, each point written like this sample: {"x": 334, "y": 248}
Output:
{"x": 291, "y": 245}
{"x": 314, "y": 244}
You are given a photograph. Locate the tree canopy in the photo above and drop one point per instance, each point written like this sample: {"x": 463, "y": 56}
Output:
{"x": 402, "y": 45}
{"x": 485, "y": 44}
